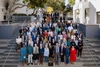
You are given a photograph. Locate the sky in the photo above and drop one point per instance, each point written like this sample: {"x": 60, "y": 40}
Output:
{"x": 66, "y": 2}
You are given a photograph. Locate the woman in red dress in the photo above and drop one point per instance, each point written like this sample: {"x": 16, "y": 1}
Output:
{"x": 73, "y": 54}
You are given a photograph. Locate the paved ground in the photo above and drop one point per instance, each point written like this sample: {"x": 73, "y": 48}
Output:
{"x": 76, "y": 64}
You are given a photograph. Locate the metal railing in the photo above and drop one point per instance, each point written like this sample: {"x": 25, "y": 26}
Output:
{"x": 91, "y": 55}
{"x": 11, "y": 48}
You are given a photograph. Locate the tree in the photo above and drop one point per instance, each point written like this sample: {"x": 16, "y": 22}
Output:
{"x": 69, "y": 9}
{"x": 56, "y": 4}
{"x": 35, "y": 4}
{"x": 11, "y": 6}
{"x": 71, "y": 2}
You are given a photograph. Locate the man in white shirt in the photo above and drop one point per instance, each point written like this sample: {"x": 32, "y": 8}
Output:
{"x": 70, "y": 28}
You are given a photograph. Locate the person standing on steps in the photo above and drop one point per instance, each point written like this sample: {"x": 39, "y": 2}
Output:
{"x": 23, "y": 55}
{"x": 46, "y": 53}
{"x": 62, "y": 52}
{"x": 41, "y": 52}
{"x": 67, "y": 53}
{"x": 56, "y": 52}
{"x": 30, "y": 54}
{"x": 73, "y": 53}
{"x": 36, "y": 54}
{"x": 80, "y": 47}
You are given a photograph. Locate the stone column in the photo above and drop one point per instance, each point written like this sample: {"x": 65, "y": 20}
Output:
{"x": 74, "y": 15}
{"x": 82, "y": 15}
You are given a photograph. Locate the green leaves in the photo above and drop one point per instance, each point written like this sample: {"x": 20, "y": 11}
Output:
{"x": 71, "y": 2}
{"x": 35, "y": 3}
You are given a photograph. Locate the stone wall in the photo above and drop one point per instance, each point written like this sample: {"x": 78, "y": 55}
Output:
{"x": 90, "y": 31}
{"x": 7, "y": 31}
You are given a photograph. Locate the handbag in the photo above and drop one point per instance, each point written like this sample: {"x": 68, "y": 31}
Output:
{"x": 50, "y": 63}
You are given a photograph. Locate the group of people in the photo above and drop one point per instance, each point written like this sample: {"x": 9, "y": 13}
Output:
{"x": 49, "y": 41}
{"x": 54, "y": 17}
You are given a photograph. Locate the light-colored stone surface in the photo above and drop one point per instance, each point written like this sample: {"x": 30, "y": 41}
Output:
{"x": 76, "y": 64}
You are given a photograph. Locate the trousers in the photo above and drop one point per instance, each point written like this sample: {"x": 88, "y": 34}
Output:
{"x": 30, "y": 58}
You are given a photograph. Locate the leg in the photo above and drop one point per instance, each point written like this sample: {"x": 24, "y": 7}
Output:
{"x": 55, "y": 58}
{"x": 62, "y": 58}
{"x": 67, "y": 59}
{"x": 28, "y": 59}
{"x": 22, "y": 63}
{"x": 42, "y": 59}
{"x": 80, "y": 52}
{"x": 31, "y": 59}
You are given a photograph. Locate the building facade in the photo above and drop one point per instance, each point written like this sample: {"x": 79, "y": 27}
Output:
{"x": 3, "y": 11}
{"x": 86, "y": 11}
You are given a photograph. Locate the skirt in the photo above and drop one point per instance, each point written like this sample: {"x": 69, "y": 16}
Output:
{"x": 35, "y": 56}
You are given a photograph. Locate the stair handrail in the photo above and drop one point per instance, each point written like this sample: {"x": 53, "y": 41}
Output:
{"x": 11, "y": 49}
{"x": 91, "y": 55}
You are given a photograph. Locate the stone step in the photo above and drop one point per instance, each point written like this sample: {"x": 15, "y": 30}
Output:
{"x": 9, "y": 61}
{"x": 87, "y": 50}
{"x": 11, "y": 57}
{"x": 91, "y": 64}
{"x": 88, "y": 56}
{"x": 87, "y": 53}
{"x": 11, "y": 52}
{"x": 86, "y": 47}
{"x": 95, "y": 46}
{"x": 89, "y": 60}
{"x": 84, "y": 57}
{"x": 13, "y": 48}
{"x": 3, "y": 42}
{"x": 9, "y": 65}
{"x": 2, "y": 50}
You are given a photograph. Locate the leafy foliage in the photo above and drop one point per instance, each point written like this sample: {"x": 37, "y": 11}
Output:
{"x": 35, "y": 3}
{"x": 56, "y": 4}
{"x": 69, "y": 9}
{"x": 71, "y": 2}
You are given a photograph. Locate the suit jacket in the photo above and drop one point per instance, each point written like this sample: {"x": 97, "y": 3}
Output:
{"x": 63, "y": 51}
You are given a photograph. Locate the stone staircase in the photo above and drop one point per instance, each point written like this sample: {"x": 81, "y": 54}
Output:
{"x": 91, "y": 53}
{"x": 9, "y": 48}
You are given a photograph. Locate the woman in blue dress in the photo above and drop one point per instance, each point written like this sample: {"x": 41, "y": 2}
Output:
{"x": 23, "y": 55}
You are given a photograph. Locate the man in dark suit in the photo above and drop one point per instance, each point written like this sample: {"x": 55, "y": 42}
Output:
{"x": 62, "y": 52}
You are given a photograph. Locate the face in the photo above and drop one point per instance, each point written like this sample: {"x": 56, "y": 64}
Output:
{"x": 40, "y": 45}
{"x": 56, "y": 44}
{"x": 62, "y": 45}
{"x": 35, "y": 45}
